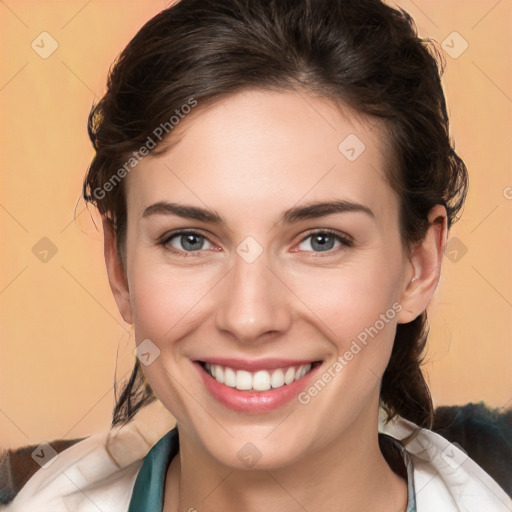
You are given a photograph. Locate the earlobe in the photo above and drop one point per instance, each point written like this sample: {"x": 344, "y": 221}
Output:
{"x": 425, "y": 263}
{"x": 116, "y": 272}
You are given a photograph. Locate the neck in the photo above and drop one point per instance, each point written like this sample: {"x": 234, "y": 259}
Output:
{"x": 349, "y": 474}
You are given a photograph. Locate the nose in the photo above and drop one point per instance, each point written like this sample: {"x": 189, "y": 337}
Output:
{"x": 254, "y": 304}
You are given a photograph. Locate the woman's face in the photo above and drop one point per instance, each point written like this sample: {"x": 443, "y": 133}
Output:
{"x": 267, "y": 278}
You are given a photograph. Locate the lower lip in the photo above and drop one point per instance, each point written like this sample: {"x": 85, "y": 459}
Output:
{"x": 254, "y": 402}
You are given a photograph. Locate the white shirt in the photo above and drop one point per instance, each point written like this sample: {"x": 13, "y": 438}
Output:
{"x": 89, "y": 477}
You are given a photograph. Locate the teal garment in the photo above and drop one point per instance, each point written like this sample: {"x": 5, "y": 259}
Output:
{"x": 148, "y": 492}
{"x": 411, "y": 493}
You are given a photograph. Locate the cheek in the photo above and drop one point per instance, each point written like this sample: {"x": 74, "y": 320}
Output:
{"x": 355, "y": 309}
{"x": 351, "y": 299}
{"x": 167, "y": 306}
{"x": 166, "y": 303}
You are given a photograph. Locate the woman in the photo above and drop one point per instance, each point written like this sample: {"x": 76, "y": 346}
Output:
{"x": 276, "y": 182}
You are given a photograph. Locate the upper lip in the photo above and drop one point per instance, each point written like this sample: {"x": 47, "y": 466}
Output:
{"x": 256, "y": 364}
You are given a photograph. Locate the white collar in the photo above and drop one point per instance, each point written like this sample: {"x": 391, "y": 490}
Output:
{"x": 445, "y": 478}
{"x": 88, "y": 477}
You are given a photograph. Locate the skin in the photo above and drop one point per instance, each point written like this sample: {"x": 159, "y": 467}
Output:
{"x": 250, "y": 157}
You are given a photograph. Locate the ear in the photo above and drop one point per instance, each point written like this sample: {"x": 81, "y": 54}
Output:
{"x": 116, "y": 272}
{"x": 422, "y": 280}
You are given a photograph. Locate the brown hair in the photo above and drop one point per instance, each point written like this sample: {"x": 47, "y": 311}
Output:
{"x": 361, "y": 52}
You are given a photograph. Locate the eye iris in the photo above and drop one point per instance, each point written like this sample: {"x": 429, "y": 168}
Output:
{"x": 323, "y": 242}
{"x": 319, "y": 241}
{"x": 190, "y": 242}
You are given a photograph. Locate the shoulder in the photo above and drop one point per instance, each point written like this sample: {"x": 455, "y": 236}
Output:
{"x": 83, "y": 477}
{"x": 17, "y": 465}
{"x": 96, "y": 473}
{"x": 446, "y": 479}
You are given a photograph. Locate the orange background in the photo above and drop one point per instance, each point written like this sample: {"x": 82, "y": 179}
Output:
{"x": 60, "y": 330}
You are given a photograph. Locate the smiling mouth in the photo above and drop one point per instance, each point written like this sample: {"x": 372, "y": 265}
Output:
{"x": 260, "y": 380}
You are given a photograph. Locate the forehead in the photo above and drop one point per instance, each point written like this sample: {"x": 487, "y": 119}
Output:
{"x": 263, "y": 151}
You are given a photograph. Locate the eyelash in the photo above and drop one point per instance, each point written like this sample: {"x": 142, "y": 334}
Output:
{"x": 345, "y": 240}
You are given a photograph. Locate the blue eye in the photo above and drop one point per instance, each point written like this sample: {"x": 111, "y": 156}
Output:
{"x": 324, "y": 241}
{"x": 186, "y": 241}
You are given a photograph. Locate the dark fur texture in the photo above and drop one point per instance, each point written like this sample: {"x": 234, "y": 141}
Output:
{"x": 484, "y": 433}
{"x": 17, "y": 466}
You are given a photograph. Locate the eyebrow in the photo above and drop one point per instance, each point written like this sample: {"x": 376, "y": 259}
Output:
{"x": 293, "y": 215}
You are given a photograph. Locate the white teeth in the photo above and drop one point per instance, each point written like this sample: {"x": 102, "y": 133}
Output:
{"x": 305, "y": 369}
{"x": 219, "y": 374}
{"x": 243, "y": 380}
{"x": 277, "y": 379}
{"x": 261, "y": 380}
{"x": 229, "y": 377}
{"x": 289, "y": 376}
